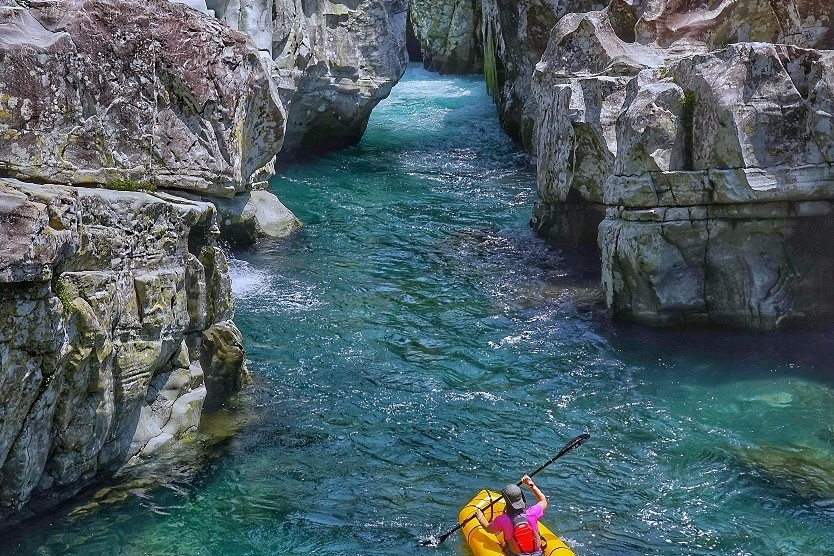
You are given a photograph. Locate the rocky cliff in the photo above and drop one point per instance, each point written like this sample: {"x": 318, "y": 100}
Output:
{"x": 134, "y": 135}
{"x": 118, "y": 119}
{"x": 447, "y": 34}
{"x": 332, "y": 62}
{"x": 692, "y": 144}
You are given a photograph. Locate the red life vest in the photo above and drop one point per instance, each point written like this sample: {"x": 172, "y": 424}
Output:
{"x": 524, "y": 535}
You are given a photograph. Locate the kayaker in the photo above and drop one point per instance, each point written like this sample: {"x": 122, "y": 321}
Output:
{"x": 521, "y": 537}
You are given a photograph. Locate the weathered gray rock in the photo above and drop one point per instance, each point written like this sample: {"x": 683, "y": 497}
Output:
{"x": 710, "y": 165}
{"x": 579, "y": 87}
{"x": 250, "y": 216}
{"x": 448, "y": 32}
{"x": 333, "y": 63}
{"x": 129, "y": 94}
{"x": 515, "y": 35}
{"x": 101, "y": 293}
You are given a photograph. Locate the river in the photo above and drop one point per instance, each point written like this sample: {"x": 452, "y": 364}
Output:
{"x": 415, "y": 342}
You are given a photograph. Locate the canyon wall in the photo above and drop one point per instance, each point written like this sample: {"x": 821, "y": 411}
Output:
{"x": 136, "y": 135}
{"x": 448, "y": 35}
{"x": 331, "y": 61}
{"x": 692, "y": 146}
{"x": 119, "y": 121}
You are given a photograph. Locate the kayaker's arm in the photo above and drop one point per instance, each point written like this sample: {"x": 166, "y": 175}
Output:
{"x": 542, "y": 499}
{"x": 479, "y": 515}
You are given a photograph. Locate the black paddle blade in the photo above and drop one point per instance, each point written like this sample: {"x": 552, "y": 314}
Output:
{"x": 572, "y": 445}
{"x": 575, "y": 443}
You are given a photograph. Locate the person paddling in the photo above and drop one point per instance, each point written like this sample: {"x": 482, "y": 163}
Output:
{"x": 518, "y": 523}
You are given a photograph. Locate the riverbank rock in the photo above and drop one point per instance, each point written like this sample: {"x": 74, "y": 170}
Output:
{"x": 701, "y": 169}
{"x": 333, "y": 65}
{"x": 332, "y": 62}
{"x": 105, "y": 297}
{"x": 95, "y": 92}
{"x": 448, "y": 34}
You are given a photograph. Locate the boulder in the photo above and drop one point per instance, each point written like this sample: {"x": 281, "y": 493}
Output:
{"x": 250, "y": 216}
{"x": 111, "y": 93}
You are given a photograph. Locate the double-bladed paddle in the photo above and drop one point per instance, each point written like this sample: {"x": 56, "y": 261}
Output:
{"x": 575, "y": 443}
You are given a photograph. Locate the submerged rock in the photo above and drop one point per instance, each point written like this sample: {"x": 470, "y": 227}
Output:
{"x": 805, "y": 471}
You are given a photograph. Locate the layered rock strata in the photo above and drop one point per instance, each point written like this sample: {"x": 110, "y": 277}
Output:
{"x": 700, "y": 168}
{"x": 120, "y": 122}
{"x": 720, "y": 199}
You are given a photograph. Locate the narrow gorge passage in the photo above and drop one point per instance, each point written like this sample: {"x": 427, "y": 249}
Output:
{"x": 415, "y": 342}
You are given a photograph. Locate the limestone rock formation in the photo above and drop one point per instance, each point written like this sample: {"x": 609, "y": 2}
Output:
{"x": 115, "y": 299}
{"x": 332, "y": 61}
{"x": 448, "y": 33}
{"x": 95, "y": 92}
{"x": 105, "y": 298}
{"x": 702, "y": 169}
{"x": 515, "y": 35}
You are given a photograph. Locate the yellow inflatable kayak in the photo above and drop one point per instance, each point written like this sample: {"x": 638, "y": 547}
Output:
{"x": 487, "y": 544}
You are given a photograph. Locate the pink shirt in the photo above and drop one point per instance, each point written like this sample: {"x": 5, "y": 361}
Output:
{"x": 503, "y": 523}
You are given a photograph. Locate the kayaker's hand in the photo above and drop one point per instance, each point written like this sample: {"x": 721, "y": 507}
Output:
{"x": 527, "y": 481}
{"x": 479, "y": 515}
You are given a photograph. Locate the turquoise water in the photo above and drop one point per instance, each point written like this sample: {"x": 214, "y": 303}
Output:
{"x": 414, "y": 342}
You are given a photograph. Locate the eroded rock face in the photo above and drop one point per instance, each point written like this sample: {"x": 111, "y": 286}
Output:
{"x": 705, "y": 167}
{"x": 95, "y": 92}
{"x": 333, "y": 64}
{"x": 804, "y": 23}
{"x": 104, "y": 299}
{"x": 448, "y": 32}
{"x": 515, "y": 35}
{"x": 331, "y": 61}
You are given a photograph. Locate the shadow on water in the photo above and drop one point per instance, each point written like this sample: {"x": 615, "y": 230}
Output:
{"x": 715, "y": 354}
